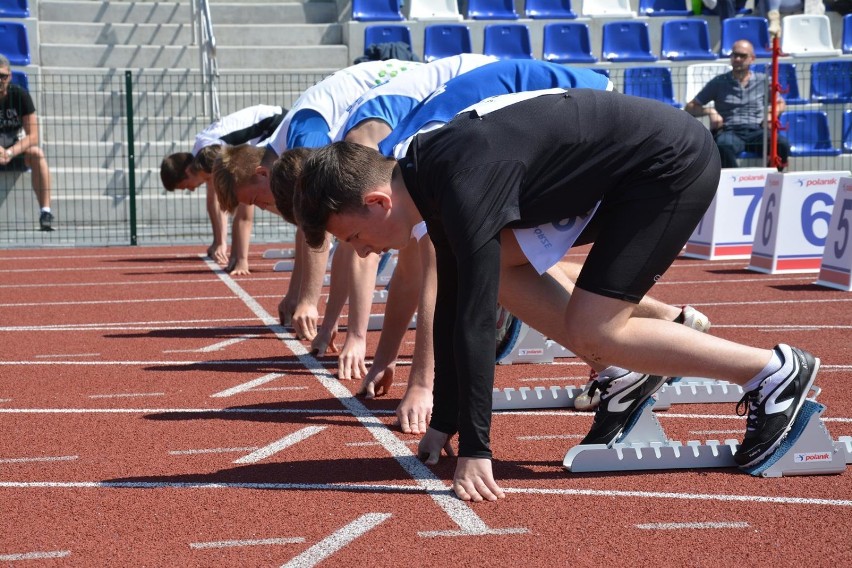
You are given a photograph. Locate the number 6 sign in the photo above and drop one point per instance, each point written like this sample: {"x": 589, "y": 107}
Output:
{"x": 836, "y": 268}
{"x": 794, "y": 221}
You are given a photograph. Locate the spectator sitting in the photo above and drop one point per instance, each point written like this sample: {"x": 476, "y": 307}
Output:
{"x": 19, "y": 140}
{"x": 737, "y": 121}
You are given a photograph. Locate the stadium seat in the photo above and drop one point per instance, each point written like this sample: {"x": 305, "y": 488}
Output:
{"x": 20, "y": 78}
{"x": 626, "y": 41}
{"x": 807, "y": 35}
{"x": 433, "y": 10}
{"x": 507, "y": 41}
{"x": 846, "y": 41}
{"x": 847, "y": 131}
{"x": 387, "y": 33}
{"x": 684, "y": 40}
{"x": 14, "y": 43}
{"x": 376, "y": 11}
{"x": 567, "y": 43}
{"x": 698, "y": 74}
{"x": 650, "y": 83}
{"x": 14, "y": 9}
{"x": 491, "y": 10}
{"x": 549, "y": 10}
{"x": 445, "y": 40}
{"x": 808, "y": 133}
{"x": 787, "y": 79}
{"x": 831, "y": 82}
{"x": 752, "y": 28}
{"x": 664, "y": 8}
{"x": 607, "y": 8}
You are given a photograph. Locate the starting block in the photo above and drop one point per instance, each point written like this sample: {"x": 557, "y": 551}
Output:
{"x": 806, "y": 450}
{"x": 377, "y": 321}
{"x": 279, "y": 253}
{"x": 533, "y": 347}
{"x": 380, "y": 296}
{"x": 387, "y": 264}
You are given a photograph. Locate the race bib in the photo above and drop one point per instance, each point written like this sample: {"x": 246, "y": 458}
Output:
{"x": 546, "y": 244}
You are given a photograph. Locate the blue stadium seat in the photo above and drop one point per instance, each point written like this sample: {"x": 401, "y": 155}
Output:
{"x": 846, "y": 37}
{"x": 549, "y": 10}
{"x": 650, "y": 83}
{"x": 752, "y": 28}
{"x": 787, "y": 79}
{"x": 14, "y": 43}
{"x": 491, "y": 10}
{"x": 626, "y": 41}
{"x": 567, "y": 43}
{"x": 387, "y": 33}
{"x": 663, "y": 8}
{"x": 14, "y": 9}
{"x": 831, "y": 82}
{"x": 808, "y": 133}
{"x": 847, "y": 131}
{"x": 684, "y": 40}
{"x": 376, "y": 11}
{"x": 445, "y": 40}
{"x": 507, "y": 41}
{"x": 20, "y": 78}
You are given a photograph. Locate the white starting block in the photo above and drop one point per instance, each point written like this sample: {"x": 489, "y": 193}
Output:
{"x": 377, "y": 321}
{"x": 380, "y": 296}
{"x": 279, "y": 253}
{"x": 835, "y": 271}
{"x": 533, "y": 347}
{"x": 387, "y": 264}
{"x": 806, "y": 450}
{"x": 288, "y": 264}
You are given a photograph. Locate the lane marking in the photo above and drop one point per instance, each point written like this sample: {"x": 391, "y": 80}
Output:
{"x": 39, "y": 459}
{"x": 34, "y": 555}
{"x": 367, "y": 444}
{"x": 107, "y": 302}
{"x": 127, "y": 395}
{"x": 67, "y": 355}
{"x": 551, "y": 379}
{"x": 253, "y": 542}
{"x": 264, "y": 389}
{"x": 220, "y": 346}
{"x": 210, "y": 451}
{"x": 244, "y": 387}
{"x": 282, "y": 444}
{"x": 683, "y": 526}
{"x": 337, "y": 540}
{"x": 550, "y": 437}
{"x": 708, "y": 432}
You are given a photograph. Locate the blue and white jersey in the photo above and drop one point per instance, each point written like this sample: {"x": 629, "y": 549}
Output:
{"x": 395, "y": 99}
{"x": 307, "y": 123}
{"x": 252, "y": 125}
{"x": 500, "y": 78}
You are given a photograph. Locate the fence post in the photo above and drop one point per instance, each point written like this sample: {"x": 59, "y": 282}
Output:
{"x": 131, "y": 156}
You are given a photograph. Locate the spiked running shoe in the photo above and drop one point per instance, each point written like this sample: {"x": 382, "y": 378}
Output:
{"x": 508, "y": 328}
{"x": 773, "y": 406}
{"x": 621, "y": 398}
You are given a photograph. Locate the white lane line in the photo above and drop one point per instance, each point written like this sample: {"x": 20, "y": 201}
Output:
{"x": 34, "y": 555}
{"x": 282, "y": 444}
{"x": 134, "y": 283}
{"x": 201, "y": 325}
{"x": 264, "y": 389}
{"x": 5, "y": 400}
{"x": 127, "y": 395}
{"x": 399, "y": 488}
{"x": 367, "y": 444}
{"x": 216, "y": 346}
{"x": 39, "y": 459}
{"x": 685, "y": 526}
{"x": 224, "y": 411}
{"x": 716, "y": 432}
{"x": 111, "y": 268}
{"x": 337, "y": 540}
{"x": 210, "y": 451}
{"x": 550, "y": 437}
{"x": 247, "y": 386}
{"x": 67, "y": 355}
{"x": 459, "y": 512}
{"x": 253, "y": 542}
{"x": 126, "y": 301}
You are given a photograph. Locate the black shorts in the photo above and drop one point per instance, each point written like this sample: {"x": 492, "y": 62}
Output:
{"x": 638, "y": 232}
{"x": 17, "y": 164}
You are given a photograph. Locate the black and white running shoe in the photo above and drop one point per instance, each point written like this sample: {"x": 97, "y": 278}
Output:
{"x": 621, "y": 398}
{"x": 773, "y": 406}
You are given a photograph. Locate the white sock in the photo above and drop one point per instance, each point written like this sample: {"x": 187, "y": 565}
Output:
{"x": 710, "y": 3}
{"x": 775, "y": 363}
{"x": 45, "y": 209}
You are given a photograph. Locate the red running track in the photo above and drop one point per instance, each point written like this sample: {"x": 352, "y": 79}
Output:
{"x": 151, "y": 414}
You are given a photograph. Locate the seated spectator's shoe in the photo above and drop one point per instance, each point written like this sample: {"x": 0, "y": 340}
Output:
{"x": 621, "y": 398}
{"x": 774, "y": 17}
{"x": 45, "y": 221}
{"x": 774, "y": 404}
{"x": 590, "y": 396}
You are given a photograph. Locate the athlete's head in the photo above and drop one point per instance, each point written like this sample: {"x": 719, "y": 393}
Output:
{"x": 282, "y": 181}
{"x": 182, "y": 170}
{"x": 240, "y": 177}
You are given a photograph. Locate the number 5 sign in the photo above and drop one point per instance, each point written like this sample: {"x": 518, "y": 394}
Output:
{"x": 727, "y": 229}
{"x": 794, "y": 221}
{"x": 836, "y": 268}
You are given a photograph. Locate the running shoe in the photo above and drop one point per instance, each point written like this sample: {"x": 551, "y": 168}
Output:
{"x": 773, "y": 406}
{"x": 621, "y": 398}
{"x": 45, "y": 221}
{"x": 508, "y": 328}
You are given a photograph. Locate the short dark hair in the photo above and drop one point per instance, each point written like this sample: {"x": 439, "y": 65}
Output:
{"x": 173, "y": 169}
{"x": 335, "y": 179}
{"x": 283, "y": 178}
{"x": 206, "y": 157}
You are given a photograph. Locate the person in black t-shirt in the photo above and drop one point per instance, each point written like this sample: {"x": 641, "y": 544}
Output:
{"x": 19, "y": 139}
{"x": 530, "y": 175}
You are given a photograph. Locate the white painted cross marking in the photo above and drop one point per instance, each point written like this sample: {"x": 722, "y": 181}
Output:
{"x": 281, "y": 444}
{"x": 337, "y": 540}
{"x": 254, "y": 542}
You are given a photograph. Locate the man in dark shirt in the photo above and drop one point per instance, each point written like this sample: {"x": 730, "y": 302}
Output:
{"x": 19, "y": 139}
{"x": 640, "y": 175}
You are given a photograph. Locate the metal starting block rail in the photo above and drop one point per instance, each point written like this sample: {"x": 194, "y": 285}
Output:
{"x": 377, "y": 321}
{"x": 807, "y": 449}
{"x": 380, "y": 296}
{"x": 279, "y": 253}
{"x": 533, "y": 347}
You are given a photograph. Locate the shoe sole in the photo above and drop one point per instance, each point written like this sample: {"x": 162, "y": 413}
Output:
{"x": 780, "y": 439}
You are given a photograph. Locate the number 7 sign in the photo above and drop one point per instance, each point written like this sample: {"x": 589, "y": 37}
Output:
{"x": 836, "y": 268}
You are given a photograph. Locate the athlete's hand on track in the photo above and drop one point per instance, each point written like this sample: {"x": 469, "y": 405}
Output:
{"x": 474, "y": 481}
{"x": 285, "y": 312}
{"x": 218, "y": 253}
{"x": 377, "y": 382}
{"x": 430, "y": 446}
{"x": 323, "y": 345}
{"x": 350, "y": 363}
{"x": 415, "y": 410}
{"x": 238, "y": 267}
{"x": 304, "y": 322}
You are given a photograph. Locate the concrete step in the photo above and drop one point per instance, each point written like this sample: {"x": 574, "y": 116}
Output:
{"x": 180, "y": 34}
{"x": 179, "y": 12}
